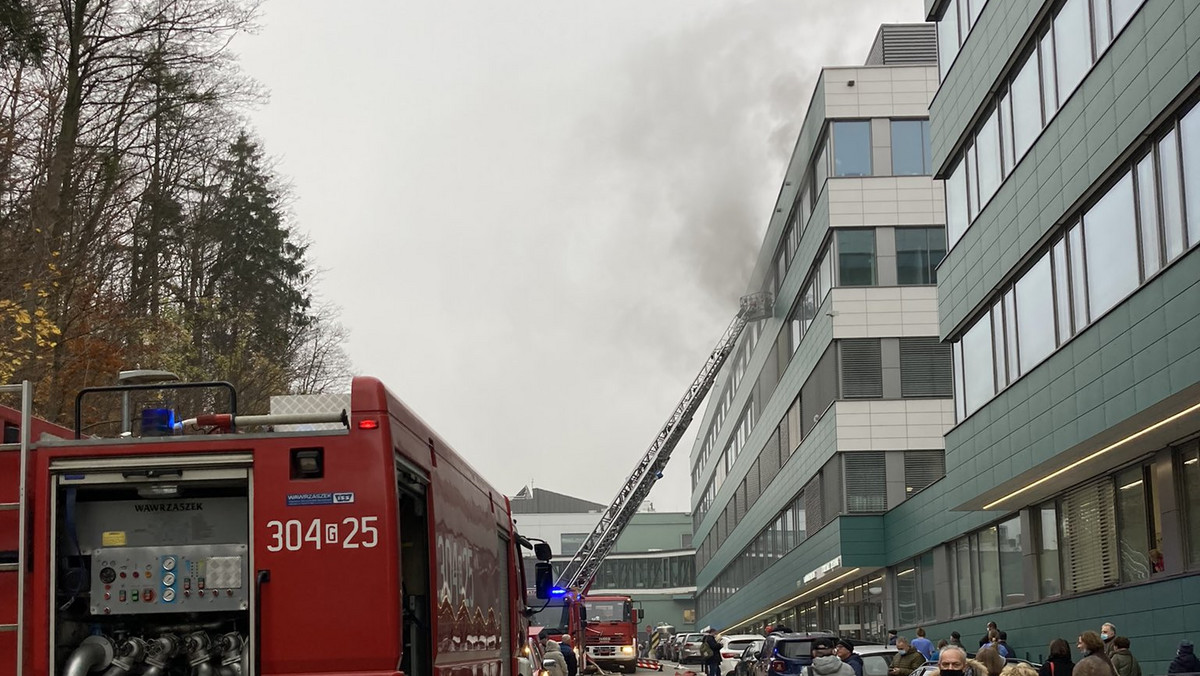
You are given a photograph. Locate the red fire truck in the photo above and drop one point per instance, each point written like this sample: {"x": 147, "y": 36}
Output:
{"x": 612, "y": 630}
{"x": 352, "y": 540}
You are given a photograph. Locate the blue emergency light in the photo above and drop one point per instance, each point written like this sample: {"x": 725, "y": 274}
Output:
{"x": 158, "y": 422}
{"x": 557, "y": 591}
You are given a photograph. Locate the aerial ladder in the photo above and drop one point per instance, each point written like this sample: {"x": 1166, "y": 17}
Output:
{"x": 580, "y": 572}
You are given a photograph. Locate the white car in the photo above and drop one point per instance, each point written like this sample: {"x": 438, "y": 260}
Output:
{"x": 732, "y": 647}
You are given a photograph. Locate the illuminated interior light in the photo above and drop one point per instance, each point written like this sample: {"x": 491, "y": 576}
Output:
{"x": 905, "y": 572}
{"x": 1192, "y": 461}
{"x": 1132, "y": 485}
{"x": 795, "y": 598}
{"x": 1117, "y": 444}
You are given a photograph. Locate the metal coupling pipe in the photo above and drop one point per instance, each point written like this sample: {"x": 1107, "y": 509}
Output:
{"x": 96, "y": 652}
{"x": 199, "y": 650}
{"x": 234, "y": 654}
{"x": 159, "y": 652}
{"x": 130, "y": 652}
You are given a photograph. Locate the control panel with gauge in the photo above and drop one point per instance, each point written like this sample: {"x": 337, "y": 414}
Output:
{"x": 171, "y": 579}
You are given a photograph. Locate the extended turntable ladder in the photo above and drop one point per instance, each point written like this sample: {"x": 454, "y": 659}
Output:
{"x": 581, "y": 571}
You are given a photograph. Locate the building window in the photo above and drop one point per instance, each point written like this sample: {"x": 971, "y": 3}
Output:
{"x": 1049, "y": 562}
{"x": 1171, "y": 186}
{"x": 852, "y": 148}
{"x": 907, "y": 601}
{"x": 866, "y": 482}
{"x": 989, "y": 569}
{"x": 856, "y": 257}
{"x": 571, "y": 542}
{"x": 922, "y": 468}
{"x": 1110, "y": 244}
{"x": 966, "y": 586}
{"x": 1088, "y": 527}
{"x": 915, "y": 590}
{"x": 1147, "y": 197}
{"x": 1012, "y": 577}
{"x": 1026, "y": 106}
{"x": 910, "y": 148}
{"x": 1035, "y": 310}
{"x": 977, "y": 364}
{"x": 918, "y": 253}
{"x": 1072, "y": 45}
{"x": 989, "y": 169}
{"x": 1190, "y": 471}
{"x": 957, "y": 218}
{"x": 925, "y": 368}
{"x": 1133, "y": 524}
{"x": 861, "y": 368}
{"x": 1189, "y": 130}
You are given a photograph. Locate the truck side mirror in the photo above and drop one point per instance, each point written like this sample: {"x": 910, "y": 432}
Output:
{"x": 543, "y": 579}
{"x": 541, "y": 551}
{"x": 582, "y": 615}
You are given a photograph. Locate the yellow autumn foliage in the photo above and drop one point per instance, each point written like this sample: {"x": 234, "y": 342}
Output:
{"x": 25, "y": 336}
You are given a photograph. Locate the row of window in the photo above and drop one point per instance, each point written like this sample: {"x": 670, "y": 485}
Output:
{"x": 1103, "y": 533}
{"x": 737, "y": 440}
{"x": 953, "y": 28}
{"x": 918, "y": 252}
{"x": 737, "y": 368}
{"x": 1148, "y": 217}
{"x": 1069, "y": 43}
{"x": 855, "y": 609}
{"x": 852, "y": 256}
{"x": 849, "y": 483}
{"x": 850, "y": 143}
{"x": 850, "y": 369}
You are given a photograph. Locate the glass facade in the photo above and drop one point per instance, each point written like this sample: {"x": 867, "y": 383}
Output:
{"x": 918, "y": 253}
{"x": 856, "y": 257}
{"x": 852, "y": 148}
{"x": 1098, "y": 262}
{"x": 1072, "y": 39}
{"x": 910, "y": 148}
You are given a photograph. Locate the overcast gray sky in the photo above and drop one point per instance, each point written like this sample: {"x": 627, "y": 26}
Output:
{"x": 537, "y": 216}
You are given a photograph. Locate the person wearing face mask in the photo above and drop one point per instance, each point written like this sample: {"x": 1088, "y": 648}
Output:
{"x": 1108, "y": 631}
{"x": 1059, "y": 663}
{"x": 953, "y": 662}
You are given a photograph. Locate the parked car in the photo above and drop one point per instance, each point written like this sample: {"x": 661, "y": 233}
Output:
{"x": 674, "y": 646}
{"x": 748, "y": 658}
{"x": 787, "y": 653}
{"x": 732, "y": 647}
{"x": 877, "y": 659}
{"x": 689, "y": 648}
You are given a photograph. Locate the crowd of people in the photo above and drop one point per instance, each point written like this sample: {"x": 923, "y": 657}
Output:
{"x": 1103, "y": 653}
{"x": 1100, "y": 654}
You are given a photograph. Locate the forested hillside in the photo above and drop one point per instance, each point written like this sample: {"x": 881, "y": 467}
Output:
{"x": 141, "y": 224}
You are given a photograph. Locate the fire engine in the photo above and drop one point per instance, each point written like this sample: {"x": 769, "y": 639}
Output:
{"x": 567, "y": 609}
{"x": 612, "y": 629}
{"x": 349, "y": 540}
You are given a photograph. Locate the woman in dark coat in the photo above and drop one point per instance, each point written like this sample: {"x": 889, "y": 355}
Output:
{"x": 1059, "y": 662}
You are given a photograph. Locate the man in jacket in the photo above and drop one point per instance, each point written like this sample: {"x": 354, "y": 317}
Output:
{"x": 1108, "y": 632}
{"x": 825, "y": 663}
{"x": 712, "y": 662}
{"x": 1185, "y": 661}
{"x": 1123, "y": 660}
{"x": 569, "y": 655}
{"x": 905, "y": 661}
{"x": 845, "y": 651}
